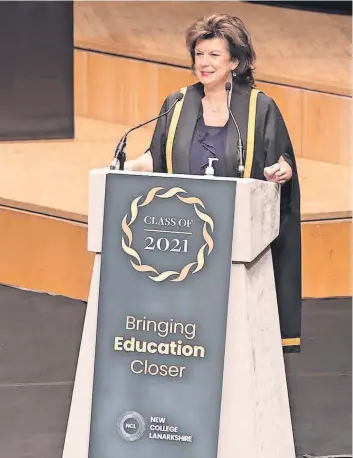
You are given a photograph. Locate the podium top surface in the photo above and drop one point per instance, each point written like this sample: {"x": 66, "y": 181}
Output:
{"x": 106, "y": 171}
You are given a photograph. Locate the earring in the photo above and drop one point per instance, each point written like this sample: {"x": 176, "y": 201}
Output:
{"x": 234, "y": 73}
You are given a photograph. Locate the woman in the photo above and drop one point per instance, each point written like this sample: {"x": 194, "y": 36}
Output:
{"x": 200, "y": 127}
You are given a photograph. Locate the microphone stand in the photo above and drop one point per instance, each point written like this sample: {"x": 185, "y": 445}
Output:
{"x": 241, "y": 167}
{"x": 119, "y": 154}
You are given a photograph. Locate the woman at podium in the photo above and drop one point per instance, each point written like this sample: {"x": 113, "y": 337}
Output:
{"x": 225, "y": 118}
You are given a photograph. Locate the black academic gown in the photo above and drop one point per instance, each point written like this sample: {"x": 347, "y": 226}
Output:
{"x": 271, "y": 142}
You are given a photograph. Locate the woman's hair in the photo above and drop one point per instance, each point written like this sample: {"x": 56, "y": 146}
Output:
{"x": 238, "y": 38}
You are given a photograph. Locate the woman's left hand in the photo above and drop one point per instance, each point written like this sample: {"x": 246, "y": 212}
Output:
{"x": 278, "y": 173}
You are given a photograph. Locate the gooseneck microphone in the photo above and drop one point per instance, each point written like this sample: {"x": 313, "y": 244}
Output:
{"x": 241, "y": 167}
{"x": 119, "y": 155}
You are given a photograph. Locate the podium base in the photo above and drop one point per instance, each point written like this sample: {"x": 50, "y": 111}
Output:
{"x": 255, "y": 414}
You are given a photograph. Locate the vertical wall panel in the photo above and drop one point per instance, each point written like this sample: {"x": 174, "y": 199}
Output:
{"x": 327, "y": 121}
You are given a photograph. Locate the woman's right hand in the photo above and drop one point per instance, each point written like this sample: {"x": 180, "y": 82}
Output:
{"x": 143, "y": 163}
{"x": 130, "y": 165}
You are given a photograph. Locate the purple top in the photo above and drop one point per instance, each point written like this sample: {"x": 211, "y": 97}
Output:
{"x": 208, "y": 142}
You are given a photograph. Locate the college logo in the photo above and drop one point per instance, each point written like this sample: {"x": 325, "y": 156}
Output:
{"x": 169, "y": 234}
{"x": 131, "y": 426}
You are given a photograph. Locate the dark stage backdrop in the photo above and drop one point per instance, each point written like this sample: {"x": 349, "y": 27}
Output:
{"x": 330, "y": 7}
{"x": 36, "y": 70}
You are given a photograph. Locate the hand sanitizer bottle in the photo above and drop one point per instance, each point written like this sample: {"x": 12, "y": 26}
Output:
{"x": 209, "y": 169}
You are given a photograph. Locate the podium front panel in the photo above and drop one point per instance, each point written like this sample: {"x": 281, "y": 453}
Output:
{"x": 162, "y": 317}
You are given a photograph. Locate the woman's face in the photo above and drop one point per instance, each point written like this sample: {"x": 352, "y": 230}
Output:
{"x": 213, "y": 62}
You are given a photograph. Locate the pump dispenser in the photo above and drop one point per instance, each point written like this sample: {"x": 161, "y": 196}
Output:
{"x": 209, "y": 169}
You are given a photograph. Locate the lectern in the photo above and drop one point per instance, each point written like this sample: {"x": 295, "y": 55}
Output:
{"x": 181, "y": 353}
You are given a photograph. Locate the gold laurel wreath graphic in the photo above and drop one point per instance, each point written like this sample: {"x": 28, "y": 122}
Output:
{"x": 172, "y": 275}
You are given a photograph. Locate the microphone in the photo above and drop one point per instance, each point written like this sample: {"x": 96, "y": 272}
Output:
{"x": 241, "y": 167}
{"x": 119, "y": 155}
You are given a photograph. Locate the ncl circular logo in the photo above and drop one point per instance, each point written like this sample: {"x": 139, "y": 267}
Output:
{"x": 131, "y": 426}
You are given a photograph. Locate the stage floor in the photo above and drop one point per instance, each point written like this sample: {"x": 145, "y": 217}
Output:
{"x": 39, "y": 343}
{"x": 51, "y": 177}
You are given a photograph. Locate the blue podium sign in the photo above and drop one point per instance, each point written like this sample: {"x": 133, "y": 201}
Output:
{"x": 162, "y": 316}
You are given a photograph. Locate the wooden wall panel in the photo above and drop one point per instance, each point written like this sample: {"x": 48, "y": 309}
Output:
{"x": 327, "y": 254}
{"x": 129, "y": 91}
{"x": 48, "y": 254}
{"x": 44, "y": 254}
{"x": 118, "y": 89}
{"x": 326, "y": 129}
{"x": 170, "y": 79}
{"x": 289, "y": 101}
{"x": 80, "y": 72}
{"x": 122, "y": 90}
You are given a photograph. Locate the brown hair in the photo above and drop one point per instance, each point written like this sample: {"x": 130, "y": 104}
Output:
{"x": 233, "y": 30}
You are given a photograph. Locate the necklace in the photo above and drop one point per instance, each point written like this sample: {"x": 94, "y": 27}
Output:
{"x": 213, "y": 109}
